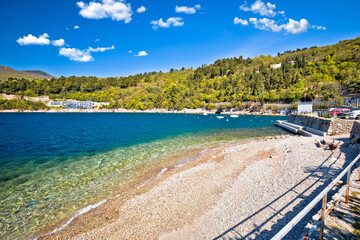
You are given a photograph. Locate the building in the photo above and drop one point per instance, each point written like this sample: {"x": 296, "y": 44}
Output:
{"x": 56, "y": 104}
{"x": 275, "y": 66}
{"x": 79, "y": 105}
{"x": 73, "y": 104}
{"x": 305, "y": 108}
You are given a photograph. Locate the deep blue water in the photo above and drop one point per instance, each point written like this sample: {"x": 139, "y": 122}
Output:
{"x": 64, "y": 155}
{"x": 36, "y": 136}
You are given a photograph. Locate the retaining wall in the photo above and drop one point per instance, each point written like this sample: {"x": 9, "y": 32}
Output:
{"x": 355, "y": 131}
{"x": 330, "y": 126}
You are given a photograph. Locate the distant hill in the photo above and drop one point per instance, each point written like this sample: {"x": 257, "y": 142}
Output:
{"x": 39, "y": 74}
{"x": 7, "y": 72}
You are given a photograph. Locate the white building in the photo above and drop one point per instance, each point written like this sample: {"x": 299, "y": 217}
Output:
{"x": 275, "y": 66}
{"x": 305, "y": 108}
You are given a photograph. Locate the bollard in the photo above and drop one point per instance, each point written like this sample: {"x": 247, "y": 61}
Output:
{"x": 323, "y": 211}
{"x": 348, "y": 186}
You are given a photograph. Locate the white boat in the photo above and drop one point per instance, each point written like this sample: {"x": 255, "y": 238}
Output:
{"x": 220, "y": 117}
{"x": 234, "y": 116}
{"x": 205, "y": 114}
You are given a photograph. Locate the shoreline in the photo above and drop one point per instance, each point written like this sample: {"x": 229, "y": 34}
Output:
{"x": 184, "y": 111}
{"x": 166, "y": 166}
{"x": 154, "y": 210}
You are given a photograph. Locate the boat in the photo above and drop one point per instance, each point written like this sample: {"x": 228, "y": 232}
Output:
{"x": 220, "y": 117}
{"x": 234, "y": 116}
{"x": 205, "y": 114}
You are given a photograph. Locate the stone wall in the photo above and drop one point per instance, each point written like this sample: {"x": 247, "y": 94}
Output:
{"x": 355, "y": 131}
{"x": 341, "y": 126}
{"x": 322, "y": 124}
{"x": 328, "y": 125}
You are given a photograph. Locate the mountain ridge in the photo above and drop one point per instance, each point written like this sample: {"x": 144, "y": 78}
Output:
{"x": 8, "y": 72}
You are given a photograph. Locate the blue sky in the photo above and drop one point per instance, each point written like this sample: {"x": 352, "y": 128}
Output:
{"x": 118, "y": 38}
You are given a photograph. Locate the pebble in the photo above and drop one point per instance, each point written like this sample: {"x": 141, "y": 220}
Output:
{"x": 247, "y": 190}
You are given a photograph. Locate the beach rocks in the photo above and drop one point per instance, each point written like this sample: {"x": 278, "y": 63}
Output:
{"x": 251, "y": 193}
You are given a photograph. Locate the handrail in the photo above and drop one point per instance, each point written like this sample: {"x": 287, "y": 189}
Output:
{"x": 322, "y": 196}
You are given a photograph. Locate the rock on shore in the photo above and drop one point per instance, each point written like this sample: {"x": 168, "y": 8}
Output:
{"x": 248, "y": 190}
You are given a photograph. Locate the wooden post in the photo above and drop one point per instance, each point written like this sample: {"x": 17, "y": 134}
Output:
{"x": 348, "y": 187}
{"x": 323, "y": 211}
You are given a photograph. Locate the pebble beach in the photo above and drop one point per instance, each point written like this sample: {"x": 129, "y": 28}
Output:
{"x": 245, "y": 190}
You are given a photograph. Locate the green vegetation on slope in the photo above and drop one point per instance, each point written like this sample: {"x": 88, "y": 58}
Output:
{"x": 305, "y": 74}
{"x": 21, "y": 104}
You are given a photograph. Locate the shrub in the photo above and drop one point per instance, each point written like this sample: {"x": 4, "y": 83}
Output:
{"x": 210, "y": 106}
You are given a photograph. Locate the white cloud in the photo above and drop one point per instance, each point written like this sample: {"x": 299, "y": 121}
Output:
{"x": 318, "y": 27}
{"x": 82, "y": 55}
{"x": 76, "y": 27}
{"x": 187, "y": 10}
{"x": 141, "y": 9}
{"x": 32, "y": 40}
{"x": 97, "y": 40}
{"x": 116, "y": 10}
{"x": 295, "y": 27}
{"x": 292, "y": 27}
{"x": 76, "y": 54}
{"x": 270, "y": 6}
{"x": 265, "y": 24}
{"x": 260, "y": 8}
{"x": 141, "y": 54}
{"x": 173, "y": 21}
{"x": 100, "y": 49}
{"x": 58, "y": 43}
{"x": 130, "y": 51}
{"x": 241, "y": 21}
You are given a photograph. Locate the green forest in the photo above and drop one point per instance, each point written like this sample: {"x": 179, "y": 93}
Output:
{"x": 21, "y": 104}
{"x": 326, "y": 73}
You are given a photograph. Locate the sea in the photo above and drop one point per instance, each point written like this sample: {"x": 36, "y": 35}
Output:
{"x": 54, "y": 166}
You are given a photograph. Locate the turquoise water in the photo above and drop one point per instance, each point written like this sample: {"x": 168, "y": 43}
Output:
{"x": 53, "y": 164}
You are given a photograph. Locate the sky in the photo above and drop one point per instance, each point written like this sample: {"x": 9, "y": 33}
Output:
{"x": 112, "y": 38}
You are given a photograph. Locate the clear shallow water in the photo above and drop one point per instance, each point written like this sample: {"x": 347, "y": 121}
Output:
{"x": 53, "y": 164}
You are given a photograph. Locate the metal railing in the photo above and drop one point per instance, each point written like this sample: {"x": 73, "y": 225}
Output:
{"x": 324, "y": 210}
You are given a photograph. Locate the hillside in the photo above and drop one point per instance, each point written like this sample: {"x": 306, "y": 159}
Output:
{"x": 325, "y": 73}
{"x": 39, "y": 74}
{"x": 6, "y": 72}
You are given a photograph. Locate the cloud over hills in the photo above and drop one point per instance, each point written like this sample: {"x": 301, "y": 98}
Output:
{"x": 116, "y": 10}
{"x": 289, "y": 26}
{"x": 82, "y": 55}
{"x": 259, "y": 7}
